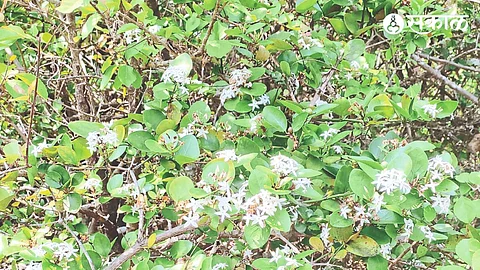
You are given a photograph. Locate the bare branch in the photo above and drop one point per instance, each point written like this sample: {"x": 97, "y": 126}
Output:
{"x": 444, "y": 79}
{"x": 436, "y": 59}
{"x": 137, "y": 247}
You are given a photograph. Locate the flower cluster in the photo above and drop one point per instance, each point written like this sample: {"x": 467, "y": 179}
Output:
{"x": 61, "y": 251}
{"x": 263, "y": 100}
{"x": 283, "y": 165}
{"x": 254, "y": 122}
{"x": 38, "y": 149}
{"x": 227, "y": 155}
{"x": 283, "y": 258}
{"x": 238, "y": 78}
{"x": 260, "y": 206}
{"x": 438, "y": 168}
{"x": 92, "y": 183}
{"x": 302, "y": 183}
{"x": 441, "y": 204}
{"x": 105, "y": 136}
{"x": 431, "y": 109}
{"x": 306, "y": 42}
{"x": 390, "y": 180}
{"x": 132, "y": 36}
{"x": 329, "y": 133}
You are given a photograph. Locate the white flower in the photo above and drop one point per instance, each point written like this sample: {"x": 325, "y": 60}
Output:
{"x": 37, "y": 149}
{"x": 247, "y": 253}
{"x": 391, "y": 180}
{"x": 34, "y": 266}
{"x": 223, "y": 214}
{"x": 354, "y": 65}
{"x": 228, "y": 92}
{"x": 408, "y": 229}
{"x": 254, "y": 122}
{"x": 441, "y": 204}
{"x": 325, "y": 234}
{"x": 93, "y": 139}
{"x": 92, "y": 183}
{"x": 337, "y": 149}
{"x": 239, "y": 77}
{"x": 377, "y": 202}
{"x": 201, "y": 132}
{"x": 349, "y": 76}
{"x": 283, "y": 165}
{"x": 286, "y": 250}
{"x": 362, "y": 215}
{"x": 386, "y": 250}
{"x": 428, "y": 233}
{"x": 303, "y": 44}
{"x": 219, "y": 266}
{"x": 292, "y": 262}
{"x": 437, "y": 166}
{"x": 329, "y": 133}
{"x": 431, "y": 109}
{"x": 344, "y": 211}
{"x": 38, "y": 251}
{"x": 228, "y": 154}
{"x": 275, "y": 255}
{"x": 264, "y": 100}
{"x": 154, "y": 29}
{"x": 63, "y": 251}
{"x": 176, "y": 74}
{"x": 194, "y": 205}
{"x": 260, "y": 206}
{"x": 255, "y": 105}
{"x": 302, "y": 183}
{"x": 320, "y": 102}
{"x": 132, "y": 36}
{"x": 191, "y": 219}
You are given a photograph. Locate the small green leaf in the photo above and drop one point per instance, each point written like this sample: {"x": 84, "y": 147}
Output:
{"x": 304, "y": 5}
{"x": 179, "y": 188}
{"x": 102, "y": 245}
{"x": 275, "y": 118}
{"x": 180, "y": 248}
{"x": 256, "y": 236}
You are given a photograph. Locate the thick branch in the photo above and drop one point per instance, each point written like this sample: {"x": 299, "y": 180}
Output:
{"x": 445, "y": 80}
{"x": 439, "y": 60}
{"x": 129, "y": 253}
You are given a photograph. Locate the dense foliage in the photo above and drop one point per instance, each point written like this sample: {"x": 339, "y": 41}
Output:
{"x": 236, "y": 134}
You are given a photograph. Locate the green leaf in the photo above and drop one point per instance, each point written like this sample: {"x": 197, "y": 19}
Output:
{"x": 218, "y": 48}
{"x": 361, "y": 184}
{"x": 363, "y": 246}
{"x": 466, "y": 248}
{"x": 68, "y": 6}
{"x": 67, "y": 154}
{"x": 102, "y": 245}
{"x": 127, "y": 75}
{"x": 256, "y": 236}
{"x": 96, "y": 259}
{"x": 179, "y": 188}
{"x": 275, "y": 118}
{"x": 280, "y": 221}
{"x": 189, "y": 151}
{"x": 377, "y": 263}
{"x": 9, "y": 34}
{"x": 137, "y": 139}
{"x": 82, "y": 128}
{"x": 463, "y": 210}
{"x": 180, "y": 248}
{"x": 183, "y": 61}
{"x": 114, "y": 182}
{"x": 12, "y": 151}
{"x": 304, "y": 5}
{"x": 74, "y": 202}
{"x": 339, "y": 26}
{"x": 5, "y": 199}
{"x": 152, "y": 118}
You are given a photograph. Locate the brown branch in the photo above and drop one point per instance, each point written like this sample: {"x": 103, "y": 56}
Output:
{"x": 94, "y": 215}
{"x": 35, "y": 93}
{"x": 80, "y": 245}
{"x": 325, "y": 82}
{"x": 444, "y": 79}
{"x": 210, "y": 27}
{"x": 137, "y": 247}
{"x": 404, "y": 252}
{"x": 451, "y": 63}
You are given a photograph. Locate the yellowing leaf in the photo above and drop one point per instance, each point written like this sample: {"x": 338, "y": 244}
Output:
{"x": 151, "y": 240}
{"x": 363, "y": 246}
{"x": 316, "y": 243}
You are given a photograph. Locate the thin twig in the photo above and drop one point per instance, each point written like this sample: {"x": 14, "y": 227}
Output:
{"x": 325, "y": 82}
{"x": 80, "y": 244}
{"x": 436, "y": 59}
{"x": 210, "y": 27}
{"x": 137, "y": 247}
{"x": 404, "y": 252}
{"x": 35, "y": 93}
{"x": 444, "y": 79}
